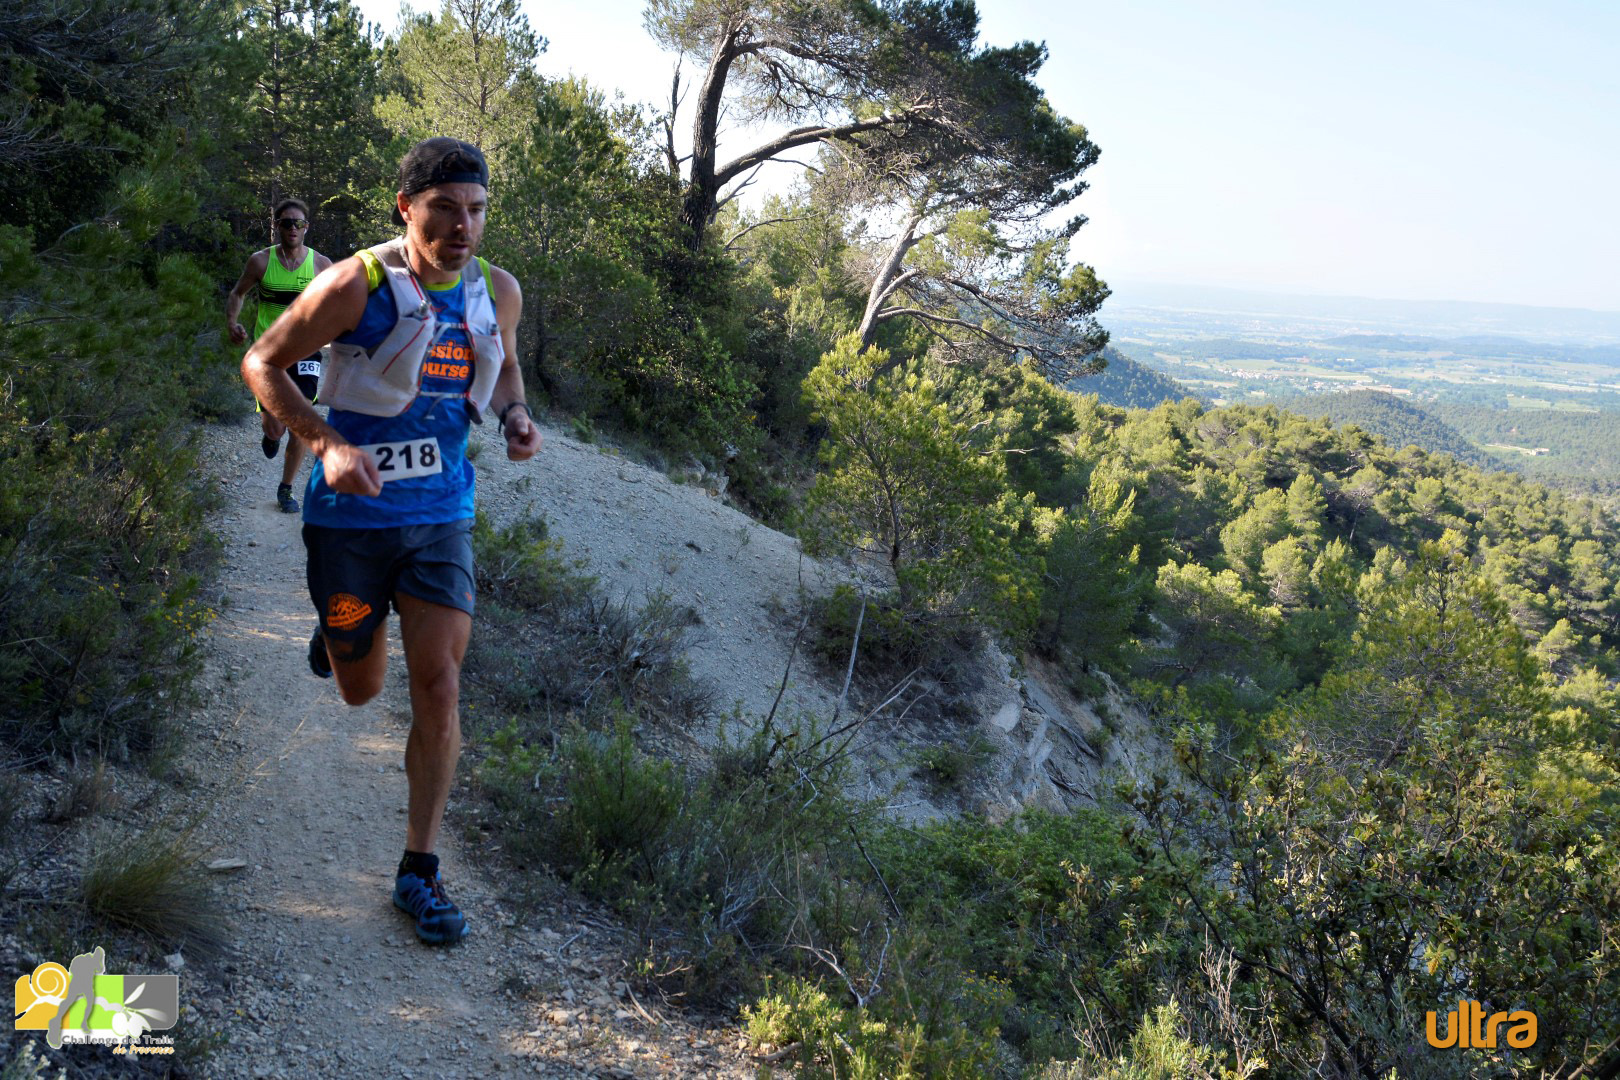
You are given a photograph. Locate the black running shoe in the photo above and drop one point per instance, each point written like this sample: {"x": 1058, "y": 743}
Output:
{"x": 269, "y": 446}
{"x": 319, "y": 662}
{"x": 284, "y": 499}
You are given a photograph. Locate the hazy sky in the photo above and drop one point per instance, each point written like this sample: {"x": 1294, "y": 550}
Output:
{"x": 1414, "y": 150}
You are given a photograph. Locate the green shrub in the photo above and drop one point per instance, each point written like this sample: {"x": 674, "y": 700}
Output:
{"x": 1085, "y": 685}
{"x": 904, "y": 478}
{"x": 1159, "y": 1049}
{"x": 764, "y": 488}
{"x": 621, "y": 805}
{"x": 891, "y": 1038}
{"x": 950, "y": 764}
{"x": 552, "y": 644}
{"x": 889, "y": 951}
{"x": 519, "y": 778}
{"x": 102, "y": 537}
{"x": 1101, "y": 739}
{"x": 1055, "y": 905}
{"x": 713, "y": 866}
{"x": 522, "y": 566}
{"x": 891, "y": 644}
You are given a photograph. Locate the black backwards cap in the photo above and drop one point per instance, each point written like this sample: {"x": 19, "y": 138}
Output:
{"x": 440, "y": 160}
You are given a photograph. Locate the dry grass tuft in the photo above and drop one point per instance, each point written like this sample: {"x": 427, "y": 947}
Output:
{"x": 89, "y": 792}
{"x": 151, "y": 883}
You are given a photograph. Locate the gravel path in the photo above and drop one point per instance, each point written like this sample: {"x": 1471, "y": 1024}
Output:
{"x": 327, "y": 978}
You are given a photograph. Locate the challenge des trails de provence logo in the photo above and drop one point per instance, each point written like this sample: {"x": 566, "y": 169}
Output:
{"x": 81, "y": 1003}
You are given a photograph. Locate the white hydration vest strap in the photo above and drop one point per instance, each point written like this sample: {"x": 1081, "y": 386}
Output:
{"x": 386, "y": 380}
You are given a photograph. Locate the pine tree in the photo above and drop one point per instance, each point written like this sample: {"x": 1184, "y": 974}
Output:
{"x": 314, "y": 133}
{"x": 902, "y": 481}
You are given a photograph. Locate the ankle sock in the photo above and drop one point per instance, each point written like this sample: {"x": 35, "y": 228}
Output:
{"x": 423, "y": 864}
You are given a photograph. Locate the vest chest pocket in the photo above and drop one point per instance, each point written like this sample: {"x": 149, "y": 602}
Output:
{"x": 403, "y": 460}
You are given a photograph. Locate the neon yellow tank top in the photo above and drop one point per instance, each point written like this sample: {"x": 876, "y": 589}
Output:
{"x": 280, "y": 287}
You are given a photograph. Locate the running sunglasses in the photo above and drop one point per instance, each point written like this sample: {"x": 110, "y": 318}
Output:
{"x": 291, "y": 223}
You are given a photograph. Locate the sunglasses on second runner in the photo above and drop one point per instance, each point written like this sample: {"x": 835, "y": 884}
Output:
{"x": 291, "y": 223}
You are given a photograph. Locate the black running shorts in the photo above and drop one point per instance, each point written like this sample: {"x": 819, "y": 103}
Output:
{"x": 354, "y": 574}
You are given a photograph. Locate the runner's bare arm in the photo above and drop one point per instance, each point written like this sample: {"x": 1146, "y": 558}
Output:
{"x": 331, "y": 305}
{"x": 252, "y": 274}
{"x": 522, "y": 434}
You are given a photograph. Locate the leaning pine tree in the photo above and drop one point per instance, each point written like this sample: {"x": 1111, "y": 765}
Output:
{"x": 950, "y": 147}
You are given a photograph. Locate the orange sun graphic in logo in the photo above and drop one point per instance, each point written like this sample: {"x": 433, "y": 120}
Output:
{"x": 344, "y": 612}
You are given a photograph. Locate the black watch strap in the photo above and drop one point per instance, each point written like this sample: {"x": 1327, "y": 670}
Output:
{"x": 509, "y": 407}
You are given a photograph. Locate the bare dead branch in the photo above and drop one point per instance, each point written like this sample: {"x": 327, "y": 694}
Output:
{"x": 738, "y": 235}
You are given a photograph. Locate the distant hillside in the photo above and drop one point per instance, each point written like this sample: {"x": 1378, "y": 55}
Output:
{"x": 1584, "y": 447}
{"x": 1389, "y": 342}
{"x": 1129, "y": 384}
{"x": 1482, "y": 345}
{"x": 1229, "y": 348}
{"x": 1398, "y": 422}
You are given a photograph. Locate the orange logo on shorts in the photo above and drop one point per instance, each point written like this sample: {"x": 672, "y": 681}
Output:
{"x": 344, "y": 612}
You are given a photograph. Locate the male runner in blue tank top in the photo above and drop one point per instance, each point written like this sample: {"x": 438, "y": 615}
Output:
{"x": 388, "y": 511}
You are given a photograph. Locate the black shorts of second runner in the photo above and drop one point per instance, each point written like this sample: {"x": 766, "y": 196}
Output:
{"x": 354, "y": 574}
{"x": 309, "y": 385}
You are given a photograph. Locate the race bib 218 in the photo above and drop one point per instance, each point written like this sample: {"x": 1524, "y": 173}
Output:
{"x": 402, "y": 460}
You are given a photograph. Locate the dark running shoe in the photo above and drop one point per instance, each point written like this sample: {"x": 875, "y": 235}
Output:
{"x": 284, "y": 499}
{"x": 319, "y": 662}
{"x": 269, "y": 446}
{"x": 438, "y": 920}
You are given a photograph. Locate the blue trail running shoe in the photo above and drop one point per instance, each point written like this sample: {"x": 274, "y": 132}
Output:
{"x": 438, "y": 920}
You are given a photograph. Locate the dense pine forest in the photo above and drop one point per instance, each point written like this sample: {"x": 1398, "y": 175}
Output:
{"x": 1584, "y": 457}
{"x": 1130, "y": 384}
{"x": 1387, "y": 678}
{"x": 1397, "y": 422}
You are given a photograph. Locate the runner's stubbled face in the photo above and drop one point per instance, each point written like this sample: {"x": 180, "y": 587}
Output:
{"x": 446, "y": 223}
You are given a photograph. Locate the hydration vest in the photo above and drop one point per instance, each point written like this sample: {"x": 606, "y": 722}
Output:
{"x": 387, "y": 379}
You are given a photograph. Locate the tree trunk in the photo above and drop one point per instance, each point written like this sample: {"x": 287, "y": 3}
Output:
{"x": 883, "y": 283}
{"x": 276, "y": 119}
{"x": 539, "y": 369}
{"x": 702, "y": 190}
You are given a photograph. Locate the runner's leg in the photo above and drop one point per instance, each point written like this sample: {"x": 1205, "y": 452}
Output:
{"x": 293, "y": 459}
{"x": 309, "y": 385}
{"x": 361, "y": 680}
{"x": 273, "y": 428}
{"x": 435, "y": 641}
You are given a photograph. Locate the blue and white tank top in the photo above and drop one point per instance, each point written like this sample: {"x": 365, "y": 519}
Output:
{"x": 434, "y": 427}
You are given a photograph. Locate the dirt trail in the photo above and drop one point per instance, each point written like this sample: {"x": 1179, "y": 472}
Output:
{"x": 326, "y": 977}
